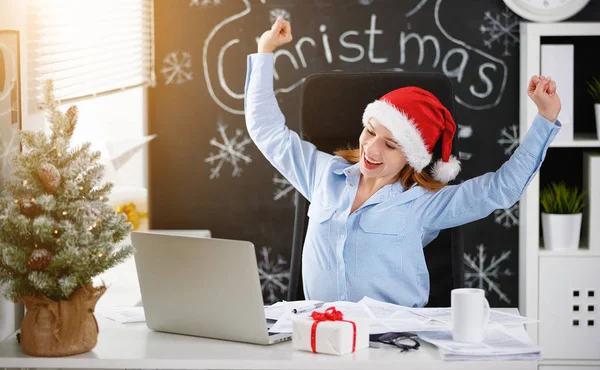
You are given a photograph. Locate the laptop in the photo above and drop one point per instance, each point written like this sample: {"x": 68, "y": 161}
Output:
{"x": 201, "y": 286}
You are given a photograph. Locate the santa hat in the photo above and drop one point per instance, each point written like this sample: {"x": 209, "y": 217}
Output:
{"x": 417, "y": 120}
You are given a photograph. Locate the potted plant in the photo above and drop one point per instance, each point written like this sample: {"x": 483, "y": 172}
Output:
{"x": 561, "y": 216}
{"x": 57, "y": 232}
{"x": 594, "y": 90}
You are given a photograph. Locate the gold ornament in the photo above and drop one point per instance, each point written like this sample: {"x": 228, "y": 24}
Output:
{"x": 50, "y": 177}
{"x": 39, "y": 259}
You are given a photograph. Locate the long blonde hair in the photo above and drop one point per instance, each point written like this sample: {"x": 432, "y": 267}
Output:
{"x": 408, "y": 175}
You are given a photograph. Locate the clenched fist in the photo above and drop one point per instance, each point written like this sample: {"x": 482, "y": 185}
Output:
{"x": 542, "y": 90}
{"x": 279, "y": 34}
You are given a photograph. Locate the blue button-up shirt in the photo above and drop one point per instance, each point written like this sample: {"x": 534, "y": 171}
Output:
{"x": 376, "y": 251}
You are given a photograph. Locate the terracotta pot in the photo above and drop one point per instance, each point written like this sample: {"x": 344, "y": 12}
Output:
{"x": 61, "y": 328}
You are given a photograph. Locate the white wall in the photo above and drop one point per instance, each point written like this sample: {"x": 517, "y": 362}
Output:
{"x": 115, "y": 118}
{"x": 12, "y": 16}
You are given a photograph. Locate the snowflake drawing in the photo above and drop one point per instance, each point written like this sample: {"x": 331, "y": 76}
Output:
{"x": 502, "y": 28}
{"x": 507, "y": 217}
{"x": 365, "y": 2}
{"x": 9, "y": 147}
{"x": 510, "y": 139}
{"x": 284, "y": 188}
{"x": 12, "y": 110}
{"x": 482, "y": 274}
{"x": 230, "y": 151}
{"x": 276, "y": 13}
{"x": 204, "y": 2}
{"x": 274, "y": 277}
{"x": 177, "y": 67}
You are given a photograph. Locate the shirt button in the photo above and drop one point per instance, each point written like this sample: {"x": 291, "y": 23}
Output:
{"x": 341, "y": 267}
{"x": 342, "y": 297}
{"x": 341, "y": 236}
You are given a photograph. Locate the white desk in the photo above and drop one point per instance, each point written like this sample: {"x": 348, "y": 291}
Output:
{"x": 134, "y": 346}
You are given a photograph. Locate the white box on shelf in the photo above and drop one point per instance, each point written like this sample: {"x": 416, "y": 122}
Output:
{"x": 568, "y": 313}
{"x": 557, "y": 62}
{"x": 591, "y": 211}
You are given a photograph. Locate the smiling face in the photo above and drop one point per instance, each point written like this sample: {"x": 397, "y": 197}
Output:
{"x": 381, "y": 157}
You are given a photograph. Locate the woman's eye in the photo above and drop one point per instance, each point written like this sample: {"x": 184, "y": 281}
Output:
{"x": 390, "y": 146}
{"x": 370, "y": 132}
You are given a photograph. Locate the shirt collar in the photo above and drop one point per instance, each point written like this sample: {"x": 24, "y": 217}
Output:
{"x": 348, "y": 169}
{"x": 387, "y": 192}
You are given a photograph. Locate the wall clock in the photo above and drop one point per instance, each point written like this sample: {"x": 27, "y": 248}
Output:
{"x": 546, "y": 10}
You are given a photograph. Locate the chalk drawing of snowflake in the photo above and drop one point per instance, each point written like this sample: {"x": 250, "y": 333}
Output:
{"x": 13, "y": 107}
{"x": 276, "y": 13}
{"x": 12, "y": 110}
{"x": 274, "y": 276}
{"x": 231, "y": 150}
{"x": 482, "y": 274}
{"x": 204, "y": 2}
{"x": 502, "y": 28}
{"x": 9, "y": 147}
{"x": 284, "y": 188}
{"x": 509, "y": 138}
{"x": 177, "y": 67}
{"x": 365, "y": 2}
{"x": 507, "y": 217}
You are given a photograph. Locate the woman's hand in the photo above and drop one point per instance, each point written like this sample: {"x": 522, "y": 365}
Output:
{"x": 279, "y": 34}
{"x": 542, "y": 90}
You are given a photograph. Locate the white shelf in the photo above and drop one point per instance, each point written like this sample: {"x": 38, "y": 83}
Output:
{"x": 581, "y": 140}
{"x": 531, "y": 251}
{"x": 581, "y": 252}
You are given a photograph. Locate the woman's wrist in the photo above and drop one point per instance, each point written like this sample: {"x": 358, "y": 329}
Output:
{"x": 265, "y": 49}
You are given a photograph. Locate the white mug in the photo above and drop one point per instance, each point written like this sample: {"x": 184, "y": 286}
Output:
{"x": 470, "y": 314}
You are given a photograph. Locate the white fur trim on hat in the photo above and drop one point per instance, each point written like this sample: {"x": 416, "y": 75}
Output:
{"x": 403, "y": 129}
{"x": 446, "y": 171}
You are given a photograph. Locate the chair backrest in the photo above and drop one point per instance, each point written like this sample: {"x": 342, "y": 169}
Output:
{"x": 331, "y": 111}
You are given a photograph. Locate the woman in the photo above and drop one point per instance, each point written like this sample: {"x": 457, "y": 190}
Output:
{"x": 374, "y": 209}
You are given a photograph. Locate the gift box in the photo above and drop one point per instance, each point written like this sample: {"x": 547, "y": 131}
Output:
{"x": 329, "y": 332}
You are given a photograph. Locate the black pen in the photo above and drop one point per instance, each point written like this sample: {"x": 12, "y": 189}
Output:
{"x": 310, "y": 308}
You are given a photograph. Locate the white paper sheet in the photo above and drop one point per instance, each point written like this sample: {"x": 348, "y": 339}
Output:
{"x": 497, "y": 344}
{"x": 383, "y": 317}
{"x": 444, "y": 315}
{"x": 276, "y": 310}
{"x": 122, "y": 315}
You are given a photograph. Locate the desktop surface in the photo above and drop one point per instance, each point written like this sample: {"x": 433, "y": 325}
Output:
{"x": 134, "y": 346}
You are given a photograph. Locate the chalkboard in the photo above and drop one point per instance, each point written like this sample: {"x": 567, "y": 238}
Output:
{"x": 205, "y": 173}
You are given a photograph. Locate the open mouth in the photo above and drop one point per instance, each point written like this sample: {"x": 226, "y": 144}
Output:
{"x": 370, "y": 163}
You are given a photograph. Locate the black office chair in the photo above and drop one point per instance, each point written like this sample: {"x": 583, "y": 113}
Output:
{"x": 331, "y": 111}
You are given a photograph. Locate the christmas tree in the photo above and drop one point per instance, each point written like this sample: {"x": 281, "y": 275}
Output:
{"x": 56, "y": 229}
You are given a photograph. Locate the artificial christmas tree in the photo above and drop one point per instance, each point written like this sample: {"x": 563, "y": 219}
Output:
{"x": 56, "y": 233}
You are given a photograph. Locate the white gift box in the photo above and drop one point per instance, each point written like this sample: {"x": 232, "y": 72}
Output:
{"x": 332, "y": 337}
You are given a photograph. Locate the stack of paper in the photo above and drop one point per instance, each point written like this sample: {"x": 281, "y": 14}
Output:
{"x": 497, "y": 345}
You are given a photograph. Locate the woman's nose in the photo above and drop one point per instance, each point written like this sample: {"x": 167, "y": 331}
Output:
{"x": 377, "y": 145}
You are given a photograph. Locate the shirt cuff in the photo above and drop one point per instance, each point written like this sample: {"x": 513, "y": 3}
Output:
{"x": 539, "y": 136}
{"x": 259, "y": 74}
